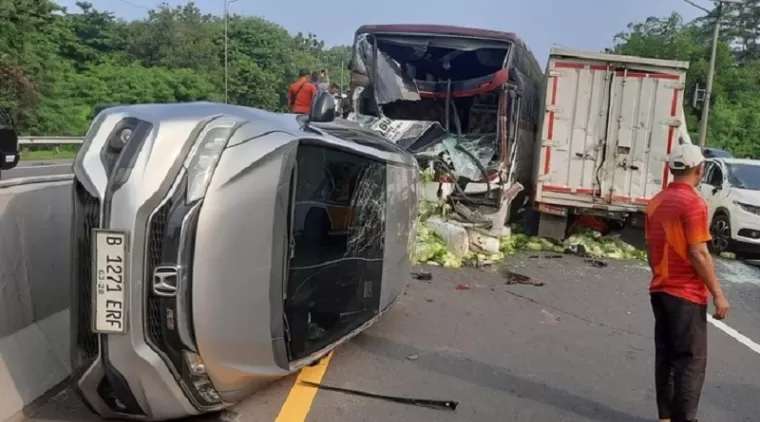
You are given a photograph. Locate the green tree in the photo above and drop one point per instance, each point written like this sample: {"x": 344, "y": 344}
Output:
{"x": 735, "y": 116}
{"x": 56, "y": 65}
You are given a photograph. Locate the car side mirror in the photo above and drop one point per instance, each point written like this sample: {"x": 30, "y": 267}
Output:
{"x": 8, "y": 148}
{"x": 322, "y": 108}
{"x": 715, "y": 189}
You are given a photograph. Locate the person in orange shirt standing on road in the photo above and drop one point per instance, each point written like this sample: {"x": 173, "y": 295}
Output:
{"x": 301, "y": 93}
{"x": 677, "y": 232}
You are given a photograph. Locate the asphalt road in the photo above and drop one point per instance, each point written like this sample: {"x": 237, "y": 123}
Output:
{"x": 33, "y": 168}
{"x": 578, "y": 348}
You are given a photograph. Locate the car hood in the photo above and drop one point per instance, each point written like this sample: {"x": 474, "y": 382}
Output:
{"x": 746, "y": 196}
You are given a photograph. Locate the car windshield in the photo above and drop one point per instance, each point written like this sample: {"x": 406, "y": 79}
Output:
{"x": 744, "y": 176}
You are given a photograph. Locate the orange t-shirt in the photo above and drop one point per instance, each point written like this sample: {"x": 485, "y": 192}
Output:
{"x": 676, "y": 218}
{"x": 300, "y": 94}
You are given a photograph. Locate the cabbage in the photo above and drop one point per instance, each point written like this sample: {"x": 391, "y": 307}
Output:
{"x": 431, "y": 249}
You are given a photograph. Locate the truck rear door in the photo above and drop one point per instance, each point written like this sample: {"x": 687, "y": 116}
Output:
{"x": 606, "y": 133}
{"x": 645, "y": 112}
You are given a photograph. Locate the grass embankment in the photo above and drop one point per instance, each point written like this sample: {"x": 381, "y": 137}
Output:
{"x": 48, "y": 153}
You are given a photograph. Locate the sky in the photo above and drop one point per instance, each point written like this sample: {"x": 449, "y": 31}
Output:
{"x": 579, "y": 24}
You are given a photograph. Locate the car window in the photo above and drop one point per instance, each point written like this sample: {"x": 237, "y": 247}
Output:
{"x": 715, "y": 178}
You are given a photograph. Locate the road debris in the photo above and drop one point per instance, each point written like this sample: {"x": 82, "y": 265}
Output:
{"x": 462, "y": 287}
{"x": 515, "y": 278}
{"x": 422, "y": 275}
{"x": 550, "y": 318}
{"x": 433, "y": 404}
{"x": 598, "y": 263}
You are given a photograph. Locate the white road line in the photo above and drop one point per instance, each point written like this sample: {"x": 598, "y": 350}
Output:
{"x": 741, "y": 338}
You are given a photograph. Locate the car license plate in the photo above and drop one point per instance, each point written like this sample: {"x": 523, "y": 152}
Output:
{"x": 109, "y": 285}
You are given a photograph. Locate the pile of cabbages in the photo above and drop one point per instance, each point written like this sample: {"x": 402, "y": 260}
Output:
{"x": 431, "y": 249}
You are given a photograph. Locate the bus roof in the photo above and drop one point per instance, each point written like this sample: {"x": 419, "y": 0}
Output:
{"x": 442, "y": 30}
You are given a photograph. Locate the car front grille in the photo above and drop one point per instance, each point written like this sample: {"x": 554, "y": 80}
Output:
{"x": 86, "y": 217}
{"x": 156, "y": 233}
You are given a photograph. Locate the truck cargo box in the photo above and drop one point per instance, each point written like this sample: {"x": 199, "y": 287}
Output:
{"x": 608, "y": 125}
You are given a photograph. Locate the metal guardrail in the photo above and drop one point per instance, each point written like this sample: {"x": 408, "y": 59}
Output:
{"x": 35, "y": 179}
{"x": 50, "y": 140}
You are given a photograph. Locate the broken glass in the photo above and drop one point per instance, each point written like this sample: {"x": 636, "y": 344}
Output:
{"x": 338, "y": 230}
{"x": 389, "y": 80}
{"x": 468, "y": 154}
{"x": 367, "y": 233}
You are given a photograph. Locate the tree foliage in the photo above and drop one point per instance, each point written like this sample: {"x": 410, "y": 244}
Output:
{"x": 56, "y": 64}
{"x": 734, "y": 122}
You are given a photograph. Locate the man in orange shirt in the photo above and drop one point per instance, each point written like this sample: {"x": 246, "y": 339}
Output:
{"x": 301, "y": 93}
{"x": 677, "y": 232}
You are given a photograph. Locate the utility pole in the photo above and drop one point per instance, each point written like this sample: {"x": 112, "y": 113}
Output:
{"x": 226, "y": 49}
{"x": 711, "y": 69}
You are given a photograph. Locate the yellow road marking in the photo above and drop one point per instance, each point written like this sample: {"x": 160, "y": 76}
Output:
{"x": 301, "y": 397}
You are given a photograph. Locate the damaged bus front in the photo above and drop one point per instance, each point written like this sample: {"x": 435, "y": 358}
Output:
{"x": 463, "y": 101}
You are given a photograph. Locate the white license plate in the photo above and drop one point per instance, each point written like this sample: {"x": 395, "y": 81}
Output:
{"x": 109, "y": 284}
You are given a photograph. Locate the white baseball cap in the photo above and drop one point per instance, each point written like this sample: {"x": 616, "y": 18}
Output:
{"x": 686, "y": 156}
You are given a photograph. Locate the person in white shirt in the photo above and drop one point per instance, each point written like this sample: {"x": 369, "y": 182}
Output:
{"x": 335, "y": 91}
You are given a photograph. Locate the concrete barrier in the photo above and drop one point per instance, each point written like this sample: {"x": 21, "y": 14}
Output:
{"x": 34, "y": 290}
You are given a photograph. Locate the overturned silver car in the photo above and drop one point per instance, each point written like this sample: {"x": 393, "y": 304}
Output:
{"x": 217, "y": 248}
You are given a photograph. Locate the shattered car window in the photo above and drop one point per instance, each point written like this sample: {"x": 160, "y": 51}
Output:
{"x": 336, "y": 263}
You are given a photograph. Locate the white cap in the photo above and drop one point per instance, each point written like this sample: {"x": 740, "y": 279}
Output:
{"x": 686, "y": 156}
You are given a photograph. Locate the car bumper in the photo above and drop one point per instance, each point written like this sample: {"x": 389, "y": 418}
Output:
{"x": 138, "y": 374}
{"x": 745, "y": 232}
{"x": 746, "y": 248}
{"x": 129, "y": 375}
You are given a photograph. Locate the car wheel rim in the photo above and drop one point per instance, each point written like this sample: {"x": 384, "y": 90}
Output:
{"x": 721, "y": 234}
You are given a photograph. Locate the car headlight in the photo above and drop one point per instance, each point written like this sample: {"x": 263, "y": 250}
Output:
{"x": 752, "y": 209}
{"x": 203, "y": 158}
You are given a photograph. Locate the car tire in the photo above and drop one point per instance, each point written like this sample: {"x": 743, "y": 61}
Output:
{"x": 720, "y": 230}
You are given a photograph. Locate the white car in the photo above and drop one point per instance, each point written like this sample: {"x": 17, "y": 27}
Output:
{"x": 731, "y": 188}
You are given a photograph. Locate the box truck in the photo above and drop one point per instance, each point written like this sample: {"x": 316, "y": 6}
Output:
{"x": 608, "y": 125}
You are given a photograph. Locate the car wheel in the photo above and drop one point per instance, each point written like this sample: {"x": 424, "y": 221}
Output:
{"x": 720, "y": 230}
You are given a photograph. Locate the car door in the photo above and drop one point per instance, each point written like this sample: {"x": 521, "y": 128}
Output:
{"x": 704, "y": 188}
{"x": 713, "y": 186}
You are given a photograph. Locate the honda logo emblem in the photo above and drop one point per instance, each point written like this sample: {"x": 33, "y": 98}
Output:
{"x": 165, "y": 281}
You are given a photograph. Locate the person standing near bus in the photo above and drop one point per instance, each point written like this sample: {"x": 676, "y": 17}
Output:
{"x": 324, "y": 80}
{"x": 677, "y": 232}
{"x": 301, "y": 93}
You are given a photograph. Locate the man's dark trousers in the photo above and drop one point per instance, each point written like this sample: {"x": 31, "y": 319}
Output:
{"x": 680, "y": 337}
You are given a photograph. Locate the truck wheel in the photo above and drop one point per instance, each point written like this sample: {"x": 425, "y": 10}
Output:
{"x": 720, "y": 229}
